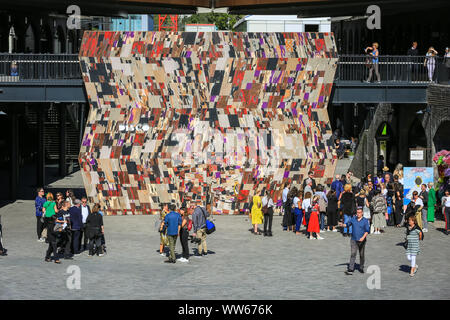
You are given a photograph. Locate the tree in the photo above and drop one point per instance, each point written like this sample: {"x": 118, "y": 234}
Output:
{"x": 222, "y": 21}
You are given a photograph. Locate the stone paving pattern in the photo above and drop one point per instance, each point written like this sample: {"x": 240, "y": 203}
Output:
{"x": 244, "y": 266}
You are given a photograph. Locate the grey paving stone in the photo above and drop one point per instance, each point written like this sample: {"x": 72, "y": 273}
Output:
{"x": 243, "y": 266}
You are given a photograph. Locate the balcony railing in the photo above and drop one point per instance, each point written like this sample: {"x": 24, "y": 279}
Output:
{"x": 392, "y": 69}
{"x": 410, "y": 69}
{"x": 38, "y": 67}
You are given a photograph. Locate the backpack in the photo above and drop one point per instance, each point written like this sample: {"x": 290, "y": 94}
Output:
{"x": 265, "y": 209}
{"x": 322, "y": 204}
{"x": 379, "y": 204}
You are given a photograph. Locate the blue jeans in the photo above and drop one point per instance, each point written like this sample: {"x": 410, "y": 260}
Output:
{"x": 322, "y": 220}
{"x": 298, "y": 214}
{"x": 347, "y": 219}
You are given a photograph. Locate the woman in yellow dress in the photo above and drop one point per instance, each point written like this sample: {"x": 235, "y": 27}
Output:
{"x": 257, "y": 215}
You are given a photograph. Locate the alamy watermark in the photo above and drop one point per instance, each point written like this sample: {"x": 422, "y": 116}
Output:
{"x": 74, "y": 19}
{"x": 374, "y": 280}
{"x": 73, "y": 282}
{"x": 374, "y": 20}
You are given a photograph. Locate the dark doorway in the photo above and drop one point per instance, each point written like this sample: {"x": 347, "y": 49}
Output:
{"x": 385, "y": 140}
{"x": 416, "y": 138}
{"x": 442, "y": 137}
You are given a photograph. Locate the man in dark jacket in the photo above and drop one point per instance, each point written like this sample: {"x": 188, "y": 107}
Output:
{"x": 199, "y": 225}
{"x": 77, "y": 225}
{"x": 2, "y": 249}
{"x": 413, "y": 68}
{"x": 94, "y": 230}
{"x": 39, "y": 204}
{"x": 67, "y": 232}
{"x": 85, "y": 211}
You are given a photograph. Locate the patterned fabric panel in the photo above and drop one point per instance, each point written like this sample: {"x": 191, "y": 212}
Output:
{"x": 204, "y": 117}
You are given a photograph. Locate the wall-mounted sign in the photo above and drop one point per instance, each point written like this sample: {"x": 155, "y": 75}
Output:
{"x": 416, "y": 155}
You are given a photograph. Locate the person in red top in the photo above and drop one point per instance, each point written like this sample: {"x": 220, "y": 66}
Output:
{"x": 313, "y": 225}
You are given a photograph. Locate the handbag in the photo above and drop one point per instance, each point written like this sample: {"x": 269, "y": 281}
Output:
{"x": 210, "y": 226}
{"x": 58, "y": 227}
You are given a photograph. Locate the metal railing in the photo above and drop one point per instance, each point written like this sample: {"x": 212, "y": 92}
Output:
{"x": 18, "y": 67}
{"x": 411, "y": 69}
{"x": 37, "y": 67}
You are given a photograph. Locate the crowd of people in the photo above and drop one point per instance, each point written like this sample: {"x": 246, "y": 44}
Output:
{"x": 351, "y": 206}
{"x": 355, "y": 208}
{"x": 429, "y": 62}
{"x": 175, "y": 223}
{"x": 68, "y": 225}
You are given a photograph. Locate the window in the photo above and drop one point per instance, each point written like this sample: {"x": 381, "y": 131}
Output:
{"x": 311, "y": 28}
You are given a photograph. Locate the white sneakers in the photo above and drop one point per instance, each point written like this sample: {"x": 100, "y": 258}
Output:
{"x": 334, "y": 230}
{"x": 162, "y": 254}
{"x": 41, "y": 240}
{"x": 182, "y": 259}
{"x": 319, "y": 237}
{"x": 425, "y": 230}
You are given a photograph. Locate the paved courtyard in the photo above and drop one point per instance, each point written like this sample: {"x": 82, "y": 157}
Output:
{"x": 240, "y": 266}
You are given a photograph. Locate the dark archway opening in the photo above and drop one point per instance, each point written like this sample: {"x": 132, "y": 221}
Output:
{"x": 442, "y": 137}
{"x": 385, "y": 141}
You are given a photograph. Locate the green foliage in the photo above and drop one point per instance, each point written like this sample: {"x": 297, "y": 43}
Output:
{"x": 222, "y": 21}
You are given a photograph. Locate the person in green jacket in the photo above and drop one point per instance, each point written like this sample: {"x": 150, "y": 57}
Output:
{"x": 431, "y": 202}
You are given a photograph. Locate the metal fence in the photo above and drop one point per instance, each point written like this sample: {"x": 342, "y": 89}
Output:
{"x": 29, "y": 67}
{"x": 391, "y": 68}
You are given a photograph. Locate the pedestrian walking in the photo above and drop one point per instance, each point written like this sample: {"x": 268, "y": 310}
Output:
{"x": 374, "y": 62}
{"x": 184, "y": 234}
{"x": 76, "y": 224}
{"x": 332, "y": 214}
{"x": 361, "y": 201}
{"x": 313, "y": 225}
{"x": 199, "y": 225}
{"x": 55, "y": 217}
{"x": 398, "y": 208}
{"x": 431, "y": 202}
{"x": 446, "y": 210}
{"x": 360, "y": 230}
{"x": 85, "y": 211}
{"x": 257, "y": 215}
{"x": 163, "y": 241}
{"x": 323, "y": 203}
{"x": 3, "y": 251}
{"x": 66, "y": 234}
{"x": 267, "y": 209}
{"x": 39, "y": 205}
{"x": 430, "y": 63}
{"x": 424, "y": 196}
{"x": 413, "y": 235}
{"x": 173, "y": 222}
{"x": 298, "y": 212}
{"x": 413, "y": 52}
{"x": 379, "y": 209}
{"x": 285, "y": 199}
{"x": 94, "y": 230}
{"x": 347, "y": 202}
{"x": 306, "y": 208}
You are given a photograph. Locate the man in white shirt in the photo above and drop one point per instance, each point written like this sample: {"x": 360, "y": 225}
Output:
{"x": 85, "y": 211}
{"x": 308, "y": 187}
{"x": 268, "y": 214}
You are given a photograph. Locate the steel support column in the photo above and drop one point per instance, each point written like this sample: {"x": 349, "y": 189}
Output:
{"x": 40, "y": 163}
{"x": 14, "y": 177}
{"x": 62, "y": 140}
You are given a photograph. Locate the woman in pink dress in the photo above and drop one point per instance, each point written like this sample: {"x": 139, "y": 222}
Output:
{"x": 313, "y": 226}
